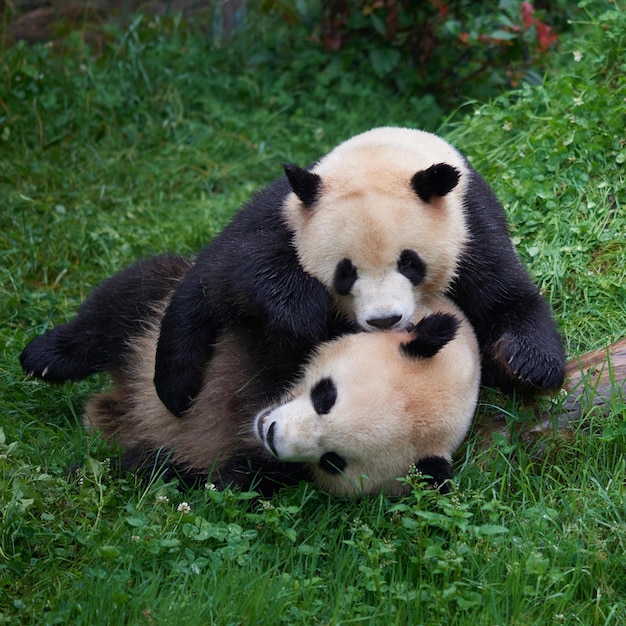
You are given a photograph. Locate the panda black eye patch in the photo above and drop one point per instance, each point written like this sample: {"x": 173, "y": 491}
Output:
{"x": 411, "y": 266}
{"x": 345, "y": 277}
{"x": 333, "y": 463}
{"x": 323, "y": 396}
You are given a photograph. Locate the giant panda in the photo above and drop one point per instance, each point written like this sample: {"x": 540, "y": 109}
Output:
{"x": 358, "y": 413}
{"x": 363, "y": 237}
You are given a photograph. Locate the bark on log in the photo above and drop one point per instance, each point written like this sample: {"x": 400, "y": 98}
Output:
{"x": 592, "y": 380}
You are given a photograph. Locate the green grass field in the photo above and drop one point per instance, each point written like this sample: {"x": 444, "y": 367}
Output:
{"x": 151, "y": 147}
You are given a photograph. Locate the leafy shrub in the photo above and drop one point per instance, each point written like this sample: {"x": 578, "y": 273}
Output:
{"x": 452, "y": 50}
{"x": 295, "y": 57}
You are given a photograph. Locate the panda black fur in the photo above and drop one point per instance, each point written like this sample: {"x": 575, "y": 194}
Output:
{"x": 366, "y": 407}
{"x": 383, "y": 221}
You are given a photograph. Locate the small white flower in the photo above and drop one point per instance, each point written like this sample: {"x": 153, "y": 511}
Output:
{"x": 183, "y": 507}
{"x": 162, "y": 499}
{"x": 578, "y": 55}
{"x": 578, "y": 101}
{"x": 210, "y": 487}
{"x": 507, "y": 126}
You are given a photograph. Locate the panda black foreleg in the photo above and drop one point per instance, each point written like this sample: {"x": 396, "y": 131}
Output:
{"x": 245, "y": 470}
{"x": 288, "y": 301}
{"x": 189, "y": 330}
{"x": 146, "y": 464}
{"x": 437, "y": 471}
{"x": 249, "y": 470}
{"x": 96, "y": 339}
{"x": 268, "y": 291}
{"x": 529, "y": 348}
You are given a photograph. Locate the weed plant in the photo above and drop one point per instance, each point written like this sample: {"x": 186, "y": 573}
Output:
{"x": 151, "y": 147}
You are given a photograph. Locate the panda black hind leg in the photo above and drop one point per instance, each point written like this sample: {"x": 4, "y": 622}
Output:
{"x": 96, "y": 338}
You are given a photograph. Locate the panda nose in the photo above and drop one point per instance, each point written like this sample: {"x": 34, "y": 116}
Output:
{"x": 384, "y": 323}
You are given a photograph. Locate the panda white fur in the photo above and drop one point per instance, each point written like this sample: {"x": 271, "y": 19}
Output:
{"x": 364, "y": 236}
{"x": 365, "y": 409}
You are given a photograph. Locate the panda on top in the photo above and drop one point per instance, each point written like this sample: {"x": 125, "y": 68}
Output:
{"x": 383, "y": 221}
{"x": 365, "y": 408}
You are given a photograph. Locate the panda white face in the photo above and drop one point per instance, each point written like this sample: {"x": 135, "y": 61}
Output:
{"x": 367, "y": 408}
{"x": 344, "y": 435}
{"x": 379, "y": 221}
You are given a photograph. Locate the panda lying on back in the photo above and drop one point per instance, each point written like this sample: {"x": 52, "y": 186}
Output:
{"x": 366, "y": 408}
{"x": 385, "y": 220}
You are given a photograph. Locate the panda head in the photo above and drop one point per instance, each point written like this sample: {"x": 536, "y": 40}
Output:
{"x": 379, "y": 222}
{"x": 371, "y": 405}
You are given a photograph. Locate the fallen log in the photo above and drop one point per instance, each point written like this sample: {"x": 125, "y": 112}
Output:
{"x": 594, "y": 382}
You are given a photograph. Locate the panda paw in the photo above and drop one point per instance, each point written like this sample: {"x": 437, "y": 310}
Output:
{"x": 47, "y": 358}
{"x": 537, "y": 362}
{"x": 176, "y": 388}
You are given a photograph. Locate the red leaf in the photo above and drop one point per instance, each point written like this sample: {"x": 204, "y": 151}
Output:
{"x": 528, "y": 14}
{"x": 441, "y": 6}
{"x": 545, "y": 35}
{"x": 391, "y": 21}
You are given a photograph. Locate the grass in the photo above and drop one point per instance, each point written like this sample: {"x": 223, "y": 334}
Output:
{"x": 152, "y": 146}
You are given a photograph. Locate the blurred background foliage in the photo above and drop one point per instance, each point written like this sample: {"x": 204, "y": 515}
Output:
{"x": 437, "y": 54}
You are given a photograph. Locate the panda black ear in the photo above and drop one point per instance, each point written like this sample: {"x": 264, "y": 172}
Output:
{"x": 438, "y": 180}
{"x": 431, "y": 334}
{"x": 306, "y": 185}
